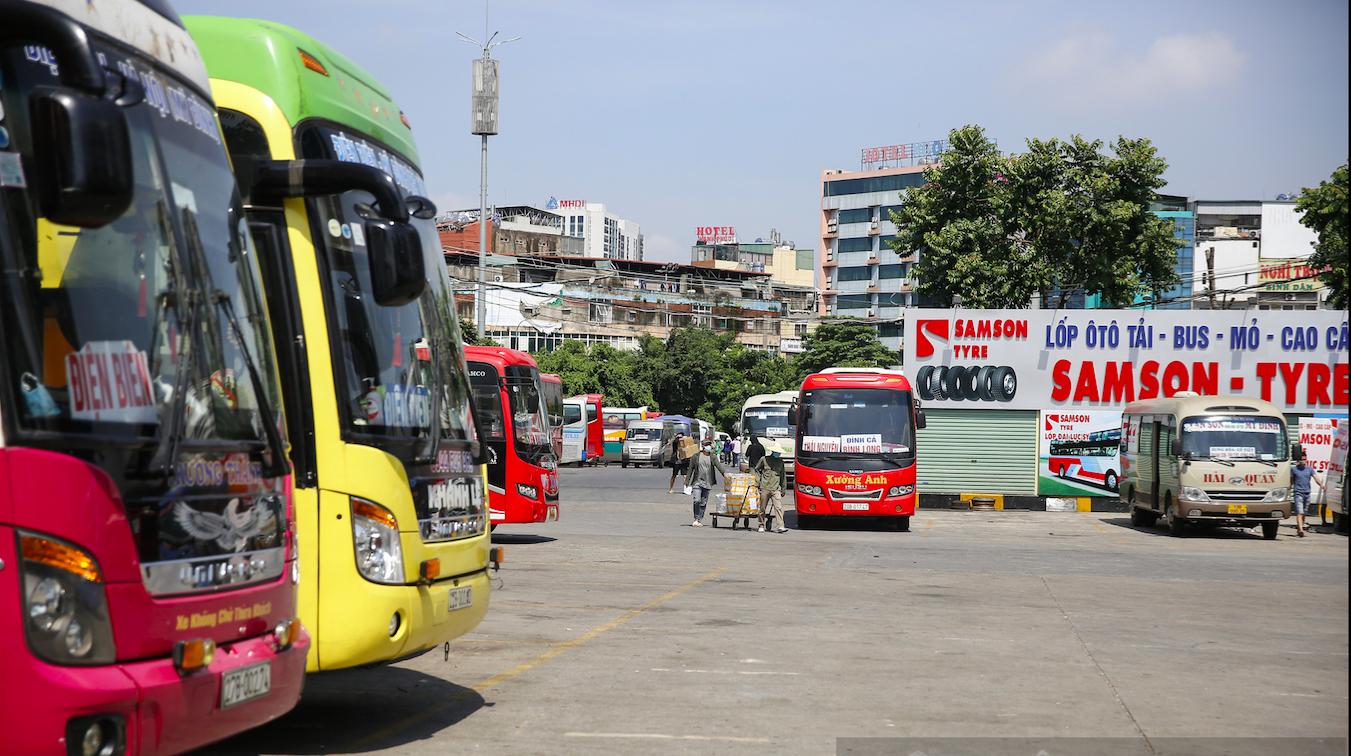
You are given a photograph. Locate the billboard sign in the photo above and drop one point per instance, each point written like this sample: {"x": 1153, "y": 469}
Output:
{"x": 1316, "y": 435}
{"x": 716, "y": 234}
{"x": 1079, "y": 454}
{"x": 1102, "y": 359}
{"x": 557, "y": 204}
{"x": 1280, "y": 275}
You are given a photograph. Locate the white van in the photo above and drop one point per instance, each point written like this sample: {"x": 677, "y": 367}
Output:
{"x": 647, "y": 442}
{"x": 1195, "y": 460}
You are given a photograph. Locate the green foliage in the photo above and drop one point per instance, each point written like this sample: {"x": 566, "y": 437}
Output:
{"x": 1325, "y": 212}
{"x": 469, "y": 335}
{"x": 603, "y": 370}
{"x": 842, "y": 345}
{"x": 997, "y": 229}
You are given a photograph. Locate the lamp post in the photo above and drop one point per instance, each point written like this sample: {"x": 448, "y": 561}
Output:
{"x": 483, "y": 123}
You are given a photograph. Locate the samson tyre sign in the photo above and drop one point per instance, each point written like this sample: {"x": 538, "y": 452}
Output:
{"x": 1103, "y": 359}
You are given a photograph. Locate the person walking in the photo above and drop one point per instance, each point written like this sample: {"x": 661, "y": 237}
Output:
{"x": 678, "y": 466}
{"x": 772, "y": 480}
{"x": 727, "y": 451}
{"x": 1300, "y": 475}
{"x": 736, "y": 451}
{"x": 754, "y": 452}
{"x": 701, "y": 478}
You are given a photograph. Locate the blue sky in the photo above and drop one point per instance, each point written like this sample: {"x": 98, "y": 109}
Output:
{"x": 685, "y": 114}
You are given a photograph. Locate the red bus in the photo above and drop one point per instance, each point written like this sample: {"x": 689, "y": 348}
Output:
{"x": 145, "y": 494}
{"x": 509, "y": 403}
{"x": 855, "y": 445}
{"x": 553, "y": 408}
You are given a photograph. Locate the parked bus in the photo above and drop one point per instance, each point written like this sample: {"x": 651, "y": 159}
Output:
{"x": 1092, "y": 461}
{"x": 146, "y": 515}
{"x": 682, "y": 424}
{"x": 553, "y": 408}
{"x": 522, "y": 471}
{"x": 614, "y": 423}
{"x": 765, "y": 416}
{"x": 648, "y": 442}
{"x": 855, "y": 445}
{"x": 389, "y": 492}
{"x": 589, "y": 438}
{"x": 1206, "y": 461}
{"x": 1335, "y": 485}
{"x": 574, "y": 431}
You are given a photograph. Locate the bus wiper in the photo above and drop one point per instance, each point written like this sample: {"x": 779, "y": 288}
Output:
{"x": 161, "y": 463}
{"x": 1224, "y": 462}
{"x": 279, "y": 465}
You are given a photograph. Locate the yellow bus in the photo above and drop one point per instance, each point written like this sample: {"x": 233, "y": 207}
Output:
{"x": 389, "y": 486}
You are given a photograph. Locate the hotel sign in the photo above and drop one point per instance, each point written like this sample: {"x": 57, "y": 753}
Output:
{"x": 902, "y": 154}
{"x": 716, "y": 234}
{"x": 1280, "y": 275}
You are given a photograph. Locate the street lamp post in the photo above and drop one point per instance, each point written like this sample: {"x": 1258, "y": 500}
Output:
{"x": 483, "y": 123}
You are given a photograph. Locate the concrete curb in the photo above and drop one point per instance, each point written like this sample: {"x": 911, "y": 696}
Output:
{"x": 1025, "y": 502}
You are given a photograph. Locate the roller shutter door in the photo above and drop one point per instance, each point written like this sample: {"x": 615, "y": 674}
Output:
{"x": 978, "y": 450}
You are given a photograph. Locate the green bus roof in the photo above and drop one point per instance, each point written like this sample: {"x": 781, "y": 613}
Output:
{"x": 267, "y": 56}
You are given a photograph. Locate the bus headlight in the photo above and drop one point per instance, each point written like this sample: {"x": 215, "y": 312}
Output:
{"x": 65, "y": 604}
{"x": 1277, "y": 494}
{"x": 375, "y": 538}
{"x": 529, "y": 492}
{"x": 900, "y": 490}
{"x": 810, "y": 490}
{"x": 1192, "y": 493}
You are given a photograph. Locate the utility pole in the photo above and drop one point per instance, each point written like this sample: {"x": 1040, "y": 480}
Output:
{"x": 483, "y": 123}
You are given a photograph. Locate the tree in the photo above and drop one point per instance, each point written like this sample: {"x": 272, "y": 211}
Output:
{"x": 842, "y": 345}
{"x": 1324, "y": 211}
{"x": 469, "y": 335}
{"x": 602, "y": 370}
{"x": 1062, "y": 218}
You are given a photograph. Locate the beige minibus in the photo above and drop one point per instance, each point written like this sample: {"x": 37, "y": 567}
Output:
{"x": 1200, "y": 461}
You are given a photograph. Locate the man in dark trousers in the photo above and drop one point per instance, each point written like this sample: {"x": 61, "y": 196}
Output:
{"x": 772, "y": 480}
{"x": 754, "y": 452}
{"x": 678, "y": 466}
{"x": 701, "y": 478}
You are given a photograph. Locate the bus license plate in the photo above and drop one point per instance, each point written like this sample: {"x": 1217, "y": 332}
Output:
{"x": 460, "y": 598}
{"x": 245, "y": 684}
{"x": 1238, "y": 509}
{"x": 856, "y": 506}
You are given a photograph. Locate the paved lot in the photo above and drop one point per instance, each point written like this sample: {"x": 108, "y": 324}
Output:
{"x": 621, "y": 629}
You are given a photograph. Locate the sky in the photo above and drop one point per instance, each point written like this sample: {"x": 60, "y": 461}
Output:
{"x": 685, "y": 114}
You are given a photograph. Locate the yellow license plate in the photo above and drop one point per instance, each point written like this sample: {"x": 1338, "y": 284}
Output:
{"x": 1238, "y": 509}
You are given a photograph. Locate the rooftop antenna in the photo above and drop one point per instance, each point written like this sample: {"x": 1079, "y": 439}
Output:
{"x": 483, "y": 123}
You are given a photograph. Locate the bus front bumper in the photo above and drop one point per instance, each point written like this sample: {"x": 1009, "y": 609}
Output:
{"x": 1245, "y": 515}
{"x": 148, "y": 704}
{"x": 807, "y": 504}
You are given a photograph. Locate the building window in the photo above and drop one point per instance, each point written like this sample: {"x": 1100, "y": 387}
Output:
{"x": 799, "y": 330}
{"x": 861, "y": 244}
{"x": 893, "y": 183}
{"x": 860, "y": 215}
{"x": 894, "y": 271}
{"x": 854, "y": 274}
{"x": 600, "y": 312}
{"x": 854, "y": 301}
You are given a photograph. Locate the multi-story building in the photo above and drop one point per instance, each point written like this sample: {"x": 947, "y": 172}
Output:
{"x": 1184, "y": 228}
{"x": 516, "y": 230}
{"x": 1249, "y": 253}
{"x": 603, "y": 233}
{"x": 861, "y": 275}
{"x": 536, "y": 302}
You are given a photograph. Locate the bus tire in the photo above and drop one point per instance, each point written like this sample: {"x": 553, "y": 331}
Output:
{"x": 985, "y": 384}
{"x": 1004, "y": 384}
{"x": 952, "y": 383}
{"x": 1270, "y": 529}
{"x": 939, "y": 385}
{"x": 923, "y": 380}
{"x": 1137, "y": 519}
{"x": 1176, "y": 526}
{"x": 1113, "y": 483}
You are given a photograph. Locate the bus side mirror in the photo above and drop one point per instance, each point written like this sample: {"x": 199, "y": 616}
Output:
{"x": 532, "y": 402}
{"x": 920, "y": 422}
{"x": 282, "y": 179}
{"x": 1296, "y": 451}
{"x": 82, "y": 157}
{"x": 1175, "y": 448}
{"x": 397, "y": 265}
{"x": 736, "y": 429}
{"x": 792, "y": 415}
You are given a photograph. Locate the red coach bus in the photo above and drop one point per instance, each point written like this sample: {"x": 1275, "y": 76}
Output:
{"x": 593, "y": 433}
{"x": 855, "y": 445}
{"x": 509, "y": 402}
{"x": 553, "y": 408}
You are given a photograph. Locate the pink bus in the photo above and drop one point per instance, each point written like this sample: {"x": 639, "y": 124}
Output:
{"x": 147, "y": 547}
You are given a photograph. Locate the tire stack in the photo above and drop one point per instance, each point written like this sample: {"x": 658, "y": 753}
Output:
{"x": 978, "y": 383}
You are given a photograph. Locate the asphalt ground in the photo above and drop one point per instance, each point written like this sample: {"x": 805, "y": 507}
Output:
{"x": 622, "y": 629}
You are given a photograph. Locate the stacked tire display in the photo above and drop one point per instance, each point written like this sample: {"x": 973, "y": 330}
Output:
{"x": 978, "y": 383}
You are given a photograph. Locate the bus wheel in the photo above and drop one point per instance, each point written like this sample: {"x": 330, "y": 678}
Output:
{"x": 902, "y": 524}
{"x": 1175, "y": 523}
{"x": 1270, "y": 529}
{"x": 1112, "y": 482}
{"x": 1137, "y": 519}
{"x": 624, "y": 465}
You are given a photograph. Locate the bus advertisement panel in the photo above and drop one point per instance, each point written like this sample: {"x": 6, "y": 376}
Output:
{"x": 1079, "y": 454}
{"x": 855, "y": 446}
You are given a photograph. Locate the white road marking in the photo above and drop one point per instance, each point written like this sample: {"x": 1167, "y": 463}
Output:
{"x": 659, "y": 736}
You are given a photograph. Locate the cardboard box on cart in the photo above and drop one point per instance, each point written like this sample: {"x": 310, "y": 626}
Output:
{"x": 742, "y": 494}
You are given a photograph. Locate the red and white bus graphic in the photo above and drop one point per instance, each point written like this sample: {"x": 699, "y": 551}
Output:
{"x": 1092, "y": 460}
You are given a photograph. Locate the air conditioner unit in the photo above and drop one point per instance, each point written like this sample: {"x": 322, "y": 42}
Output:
{"x": 872, "y": 313}
{"x": 497, "y": 279}
{"x": 832, "y": 226}
{"x": 529, "y": 310}
{"x": 872, "y": 254}
{"x": 873, "y": 225}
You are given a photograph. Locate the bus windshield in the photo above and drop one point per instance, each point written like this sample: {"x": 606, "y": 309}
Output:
{"x": 856, "y": 422}
{"x": 108, "y": 328}
{"x": 644, "y": 434}
{"x": 572, "y": 413}
{"x": 392, "y": 358}
{"x": 767, "y": 422}
{"x": 1235, "y": 437}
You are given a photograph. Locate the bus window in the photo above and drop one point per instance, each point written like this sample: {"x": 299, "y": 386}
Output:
{"x": 571, "y": 414}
